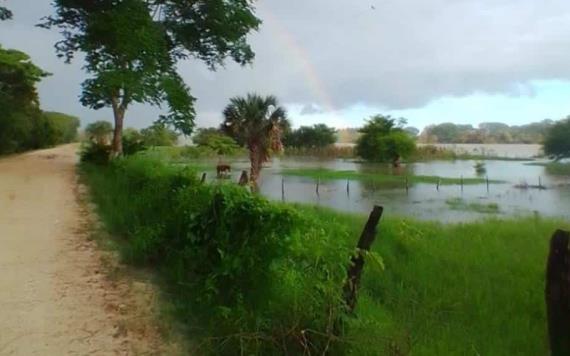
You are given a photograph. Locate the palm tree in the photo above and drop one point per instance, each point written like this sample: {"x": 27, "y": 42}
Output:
{"x": 257, "y": 123}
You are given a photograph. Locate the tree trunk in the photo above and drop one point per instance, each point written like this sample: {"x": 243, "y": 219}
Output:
{"x": 255, "y": 160}
{"x": 119, "y": 115}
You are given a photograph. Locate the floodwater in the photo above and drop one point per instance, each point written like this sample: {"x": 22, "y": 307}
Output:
{"x": 423, "y": 201}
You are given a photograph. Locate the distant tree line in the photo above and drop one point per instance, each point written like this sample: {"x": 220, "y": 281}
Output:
{"x": 488, "y": 132}
{"x": 23, "y": 125}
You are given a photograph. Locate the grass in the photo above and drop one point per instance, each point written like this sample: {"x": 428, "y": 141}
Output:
{"x": 328, "y": 174}
{"x": 432, "y": 153}
{"x": 460, "y": 204}
{"x": 554, "y": 168}
{"x": 457, "y": 289}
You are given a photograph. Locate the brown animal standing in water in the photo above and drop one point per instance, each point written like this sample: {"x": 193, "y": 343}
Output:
{"x": 223, "y": 170}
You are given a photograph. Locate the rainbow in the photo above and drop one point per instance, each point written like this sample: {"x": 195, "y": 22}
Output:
{"x": 314, "y": 83}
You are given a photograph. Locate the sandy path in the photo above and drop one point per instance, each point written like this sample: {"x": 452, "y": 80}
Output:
{"x": 55, "y": 298}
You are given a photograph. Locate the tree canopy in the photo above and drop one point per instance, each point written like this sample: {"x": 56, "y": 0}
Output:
{"x": 316, "y": 136}
{"x": 215, "y": 140}
{"x": 159, "y": 134}
{"x": 557, "y": 142}
{"x": 256, "y": 122}
{"x": 132, "y": 46}
{"x": 5, "y": 14}
{"x": 383, "y": 139}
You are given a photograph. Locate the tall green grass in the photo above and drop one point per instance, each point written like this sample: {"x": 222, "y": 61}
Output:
{"x": 255, "y": 277}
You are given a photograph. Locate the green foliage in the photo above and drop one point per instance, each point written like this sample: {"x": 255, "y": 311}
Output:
{"x": 260, "y": 277}
{"x": 329, "y": 152}
{"x": 95, "y": 153}
{"x": 461, "y": 204}
{"x": 99, "y": 132}
{"x": 256, "y": 122}
{"x": 557, "y": 142}
{"x": 131, "y": 49}
{"x": 487, "y": 132}
{"x": 159, "y": 135}
{"x": 22, "y": 124}
{"x": 216, "y": 141}
{"x": 133, "y": 142}
{"x": 5, "y": 14}
{"x": 384, "y": 140}
{"x": 317, "y": 136}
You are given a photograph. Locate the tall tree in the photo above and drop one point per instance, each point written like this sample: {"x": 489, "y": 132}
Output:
{"x": 316, "y": 136}
{"x": 383, "y": 139}
{"x": 19, "y": 101}
{"x": 256, "y": 122}
{"x": 132, "y": 46}
{"x": 557, "y": 142}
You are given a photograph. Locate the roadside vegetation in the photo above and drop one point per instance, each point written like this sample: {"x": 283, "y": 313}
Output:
{"x": 256, "y": 277}
{"x": 23, "y": 125}
{"x": 461, "y": 204}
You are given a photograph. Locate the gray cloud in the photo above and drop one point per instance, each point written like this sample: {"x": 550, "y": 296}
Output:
{"x": 311, "y": 109}
{"x": 339, "y": 53}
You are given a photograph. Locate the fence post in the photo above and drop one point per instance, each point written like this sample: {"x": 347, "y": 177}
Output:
{"x": 243, "y": 179}
{"x": 348, "y": 187}
{"x": 487, "y": 180}
{"x": 318, "y": 183}
{"x": 354, "y": 272}
{"x": 557, "y": 294}
{"x": 407, "y": 185}
{"x": 203, "y": 179}
{"x": 462, "y": 183}
{"x": 282, "y": 189}
{"x": 438, "y": 182}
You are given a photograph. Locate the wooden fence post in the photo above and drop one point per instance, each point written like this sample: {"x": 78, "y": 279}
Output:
{"x": 557, "y": 294}
{"x": 438, "y": 183}
{"x": 407, "y": 185}
{"x": 318, "y": 183}
{"x": 462, "y": 183}
{"x": 487, "y": 180}
{"x": 243, "y": 179}
{"x": 203, "y": 179}
{"x": 348, "y": 187}
{"x": 282, "y": 189}
{"x": 354, "y": 272}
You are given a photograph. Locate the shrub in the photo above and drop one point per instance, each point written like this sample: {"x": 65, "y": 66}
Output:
{"x": 383, "y": 140}
{"x": 557, "y": 142}
{"x": 92, "y": 152}
{"x": 257, "y": 274}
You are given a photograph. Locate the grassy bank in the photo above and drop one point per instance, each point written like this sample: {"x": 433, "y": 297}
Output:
{"x": 329, "y": 174}
{"x": 554, "y": 168}
{"x": 265, "y": 278}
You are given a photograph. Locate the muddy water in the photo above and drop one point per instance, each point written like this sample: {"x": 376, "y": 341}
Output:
{"x": 422, "y": 201}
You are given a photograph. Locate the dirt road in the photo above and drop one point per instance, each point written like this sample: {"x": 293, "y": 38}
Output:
{"x": 55, "y": 298}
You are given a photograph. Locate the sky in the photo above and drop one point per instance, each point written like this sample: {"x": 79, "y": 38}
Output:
{"x": 340, "y": 61}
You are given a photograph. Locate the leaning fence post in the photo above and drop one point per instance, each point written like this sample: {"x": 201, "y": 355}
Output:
{"x": 354, "y": 272}
{"x": 557, "y": 294}
{"x": 243, "y": 179}
{"x": 203, "y": 179}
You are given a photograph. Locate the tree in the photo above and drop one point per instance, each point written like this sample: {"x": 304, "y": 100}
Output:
{"x": 19, "y": 101}
{"x": 99, "y": 132}
{"x": 384, "y": 140}
{"x": 257, "y": 123}
{"x": 316, "y": 136}
{"x": 557, "y": 142}
{"x": 132, "y": 46}
{"x": 159, "y": 134}
{"x": 215, "y": 140}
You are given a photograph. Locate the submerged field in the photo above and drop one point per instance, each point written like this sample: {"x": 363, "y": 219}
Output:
{"x": 469, "y": 288}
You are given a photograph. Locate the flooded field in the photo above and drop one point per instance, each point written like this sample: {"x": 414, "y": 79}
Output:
{"x": 516, "y": 194}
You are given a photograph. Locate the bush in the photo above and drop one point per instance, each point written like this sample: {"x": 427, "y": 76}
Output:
{"x": 92, "y": 152}
{"x": 257, "y": 274}
{"x": 383, "y": 140}
{"x": 557, "y": 142}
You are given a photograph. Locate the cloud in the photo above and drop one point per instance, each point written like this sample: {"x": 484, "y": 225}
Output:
{"x": 338, "y": 54}
{"x": 311, "y": 109}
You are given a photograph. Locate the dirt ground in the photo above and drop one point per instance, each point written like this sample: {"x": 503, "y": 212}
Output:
{"x": 56, "y": 293}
